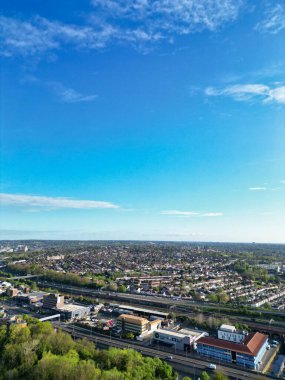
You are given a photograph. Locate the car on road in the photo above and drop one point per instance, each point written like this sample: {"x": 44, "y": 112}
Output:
{"x": 212, "y": 366}
{"x": 169, "y": 357}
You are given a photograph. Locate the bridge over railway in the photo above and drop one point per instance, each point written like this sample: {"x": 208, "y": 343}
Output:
{"x": 28, "y": 277}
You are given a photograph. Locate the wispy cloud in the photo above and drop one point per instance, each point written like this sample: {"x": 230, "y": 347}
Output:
{"x": 39, "y": 35}
{"x": 263, "y": 188}
{"x": 52, "y": 202}
{"x": 257, "y": 188}
{"x": 69, "y": 95}
{"x": 282, "y": 181}
{"x": 171, "y": 17}
{"x": 212, "y": 214}
{"x": 63, "y": 93}
{"x": 176, "y": 212}
{"x": 148, "y": 22}
{"x": 246, "y": 92}
{"x": 274, "y": 20}
{"x": 188, "y": 214}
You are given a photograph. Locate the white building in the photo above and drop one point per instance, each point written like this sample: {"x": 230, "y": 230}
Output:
{"x": 22, "y": 248}
{"x": 230, "y": 333}
{"x": 181, "y": 340}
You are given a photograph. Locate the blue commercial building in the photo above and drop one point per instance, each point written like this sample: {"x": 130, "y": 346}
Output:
{"x": 248, "y": 353}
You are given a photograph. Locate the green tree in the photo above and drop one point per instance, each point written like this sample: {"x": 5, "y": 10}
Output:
{"x": 122, "y": 289}
{"x": 205, "y": 376}
{"x": 220, "y": 376}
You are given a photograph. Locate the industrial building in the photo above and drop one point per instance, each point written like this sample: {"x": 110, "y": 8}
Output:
{"x": 30, "y": 298}
{"x": 183, "y": 339}
{"x": 247, "y": 353}
{"x": 70, "y": 312}
{"x": 128, "y": 309}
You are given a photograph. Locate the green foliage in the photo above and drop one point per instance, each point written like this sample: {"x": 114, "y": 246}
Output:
{"x": 220, "y": 376}
{"x": 122, "y": 289}
{"x": 205, "y": 376}
{"x": 38, "y": 352}
{"x": 129, "y": 335}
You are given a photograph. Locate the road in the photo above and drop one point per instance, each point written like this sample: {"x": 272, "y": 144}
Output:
{"x": 179, "y": 362}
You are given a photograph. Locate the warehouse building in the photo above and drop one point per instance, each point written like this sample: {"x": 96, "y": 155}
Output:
{"x": 30, "y": 298}
{"x": 71, "y": 312}
{"x": 183, "y": 339}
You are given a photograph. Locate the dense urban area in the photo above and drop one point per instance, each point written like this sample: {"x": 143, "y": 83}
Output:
{"x": 141, "y": 310}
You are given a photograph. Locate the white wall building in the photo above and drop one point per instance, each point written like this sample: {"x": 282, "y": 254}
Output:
{"x": 181, "y": 340}
{"x": 230, "y": 333}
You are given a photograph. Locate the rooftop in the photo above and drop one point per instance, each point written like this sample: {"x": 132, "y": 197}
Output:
{"x": 191, "y": 332}
{"x": 133, "y": 319}
{"x": 71, "y": 307}
{"x": 171, "y": 333}
{"x": 142, "y": 310}
{"x": 228, "y": 328}
{"x": 250, "y": 345}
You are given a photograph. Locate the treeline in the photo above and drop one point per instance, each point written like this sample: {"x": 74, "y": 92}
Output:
{"x": 38, "y": 352}
{"x": 96, "y": 282}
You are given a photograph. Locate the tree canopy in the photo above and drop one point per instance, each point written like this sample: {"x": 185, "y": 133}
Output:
{"x": 38, "y": 352}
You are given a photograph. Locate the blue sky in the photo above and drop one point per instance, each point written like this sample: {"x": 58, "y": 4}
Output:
{"x": 143, "y": 119}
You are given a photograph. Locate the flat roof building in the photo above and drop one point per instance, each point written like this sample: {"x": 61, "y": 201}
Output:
{"x": 30, "y": 298}
{"x": 181, "y": 340}
{"x": 139, "y": 310}
{"x": 136, "y": 325}
{"x": 228, "y": 332}
{"x": 70, "y": 311}
{"x": 53, "y": 301}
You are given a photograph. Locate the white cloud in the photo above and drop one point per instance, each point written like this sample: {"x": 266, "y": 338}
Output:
{"x": 134, "y": 22}
{"x": 176, "y": 212}
{"x": 52, "y": 202}
{"x": 188, "y": 214}
{"x": 245, "y": 92}
{"x": 277, "y": 94}
{"x": 171, "y": 17}
{"x": 63, "y": 93}
{"x": 257, "y": 188}
{"x": 39, "y": 35}
{"x": 274, "y": 20}
{"x": 212, "y": 214}
{"x": 282, "y": 181}
{"x": 69, "y": 95}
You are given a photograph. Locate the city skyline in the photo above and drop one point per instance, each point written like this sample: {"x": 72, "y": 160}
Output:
{"x": 143, "y": 120}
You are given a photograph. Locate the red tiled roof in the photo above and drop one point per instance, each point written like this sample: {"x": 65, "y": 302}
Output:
{"x": 251, "y": 344}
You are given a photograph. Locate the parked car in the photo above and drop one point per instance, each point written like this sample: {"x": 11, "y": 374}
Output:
{"x": 212, "y": 366}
